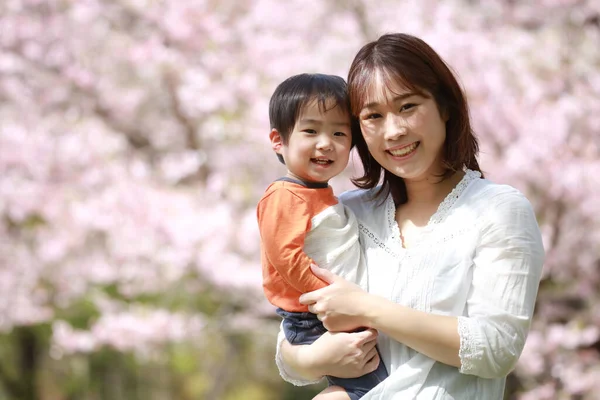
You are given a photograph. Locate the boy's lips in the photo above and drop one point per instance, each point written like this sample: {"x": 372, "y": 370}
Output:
{"x": 321, "y": 161}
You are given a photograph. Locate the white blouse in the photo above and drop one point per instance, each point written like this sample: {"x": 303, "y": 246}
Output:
{"x": 479, "y": 258}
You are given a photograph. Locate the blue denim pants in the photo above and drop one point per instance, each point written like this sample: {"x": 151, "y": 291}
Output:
{"x": 305, "y": 328}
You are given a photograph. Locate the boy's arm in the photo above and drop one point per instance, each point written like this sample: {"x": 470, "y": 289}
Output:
{"x": 283, "y": 221}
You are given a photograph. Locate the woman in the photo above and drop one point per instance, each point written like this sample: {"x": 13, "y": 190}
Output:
{"x": 454, "y": 260}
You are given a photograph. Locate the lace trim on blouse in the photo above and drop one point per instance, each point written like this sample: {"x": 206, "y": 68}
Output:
{"x": 377, "y": 241}
{"x": 468, "y": 352}
{"x": 439, "y": 216}
{"x": 451, "y": 199}
{"x": 391, "y": 214}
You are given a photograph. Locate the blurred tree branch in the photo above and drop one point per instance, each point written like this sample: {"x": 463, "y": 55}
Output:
{"x": 134, "y": 136}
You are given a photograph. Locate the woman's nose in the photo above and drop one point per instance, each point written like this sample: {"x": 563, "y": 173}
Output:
{"x": 395, "y": 127}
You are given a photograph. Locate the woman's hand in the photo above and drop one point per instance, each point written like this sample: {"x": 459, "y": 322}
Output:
{"x": 339, "y": 305}
{"x": 341, "y": 354}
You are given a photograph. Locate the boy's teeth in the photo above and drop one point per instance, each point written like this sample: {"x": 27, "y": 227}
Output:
{"x": 404, "y": 151}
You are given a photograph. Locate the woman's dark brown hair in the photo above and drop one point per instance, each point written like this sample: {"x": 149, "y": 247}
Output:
{"x": 410, "y": 62}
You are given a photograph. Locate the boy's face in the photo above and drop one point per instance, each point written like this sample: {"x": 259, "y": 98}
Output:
{"x": 319, "y": 146}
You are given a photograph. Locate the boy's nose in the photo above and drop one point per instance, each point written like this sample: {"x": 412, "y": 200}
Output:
{"x": 324, "y": 143}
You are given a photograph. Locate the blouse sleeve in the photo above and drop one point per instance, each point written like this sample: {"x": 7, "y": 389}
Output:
{"x": 506, "y": 274}
{"x": 285, "y": 371}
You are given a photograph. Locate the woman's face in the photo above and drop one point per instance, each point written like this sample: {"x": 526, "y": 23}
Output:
{"x": 404, "y": 130}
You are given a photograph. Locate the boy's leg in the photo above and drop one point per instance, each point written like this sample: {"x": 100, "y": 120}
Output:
{"x": 301, "y": 328}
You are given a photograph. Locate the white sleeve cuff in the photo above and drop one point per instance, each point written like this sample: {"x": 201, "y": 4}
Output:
{"x": 470, "y": 351}
{"x": 284, "y": 370}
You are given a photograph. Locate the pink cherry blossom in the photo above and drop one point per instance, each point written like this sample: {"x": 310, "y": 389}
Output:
{"x": 134, "y": 147}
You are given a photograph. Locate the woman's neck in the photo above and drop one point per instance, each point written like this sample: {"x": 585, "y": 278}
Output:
{"x": 432, "y": 189}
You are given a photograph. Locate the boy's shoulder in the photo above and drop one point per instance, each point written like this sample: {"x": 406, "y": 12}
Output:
{"x": 280, "y": 188}
{"x": 288, "y": 188}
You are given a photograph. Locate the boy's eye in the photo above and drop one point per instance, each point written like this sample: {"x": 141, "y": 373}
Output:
{"x": 340, "y": 134}
{"x": 312, "y": 131}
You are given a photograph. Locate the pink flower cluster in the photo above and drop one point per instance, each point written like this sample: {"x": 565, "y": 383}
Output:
{"x": 133, "y": 149}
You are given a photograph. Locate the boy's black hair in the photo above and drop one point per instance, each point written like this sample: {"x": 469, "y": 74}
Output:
{"x": 295, "y": 92}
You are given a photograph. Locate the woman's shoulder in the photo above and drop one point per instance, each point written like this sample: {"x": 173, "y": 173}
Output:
{"x": 363, "y": 201}
{"x": 489, "y": 198}
{"x": 486, "y": 190}
{"x": 505, "y": 215}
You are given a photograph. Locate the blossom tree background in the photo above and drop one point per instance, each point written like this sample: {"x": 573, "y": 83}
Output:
{"x": 133, "y": 149}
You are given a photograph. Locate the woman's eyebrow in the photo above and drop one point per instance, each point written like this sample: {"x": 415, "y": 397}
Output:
{"x": 395, "y": 99}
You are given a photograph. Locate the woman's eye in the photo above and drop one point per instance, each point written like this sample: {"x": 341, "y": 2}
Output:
{"x": 407, "y": 106}
{"x": 372, "y": 116}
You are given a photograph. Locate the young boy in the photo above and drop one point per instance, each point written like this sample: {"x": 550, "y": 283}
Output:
{"x": 300, "y": 220}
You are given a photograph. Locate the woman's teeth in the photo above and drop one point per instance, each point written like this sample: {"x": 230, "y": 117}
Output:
{"x": 322, "y": 162}
{"x": 405, "y": 150}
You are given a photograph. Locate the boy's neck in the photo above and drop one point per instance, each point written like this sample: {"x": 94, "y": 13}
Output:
{"x": 308, "y": 184}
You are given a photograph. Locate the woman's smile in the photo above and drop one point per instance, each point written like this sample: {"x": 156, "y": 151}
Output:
{"x": 403, "y": 152}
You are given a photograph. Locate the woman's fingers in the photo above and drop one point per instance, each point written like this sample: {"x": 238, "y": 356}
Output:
{"x": 311, "y": 297}
{"x": 323, "y": 274}
{"x": 372, "y": 364}
{"x": 369, "y": 346}
{"x": 345, "y": 355}
{"x": 369, "y": 349}
{"x": 370, "y": 355}
{"x": 368, "y": 335}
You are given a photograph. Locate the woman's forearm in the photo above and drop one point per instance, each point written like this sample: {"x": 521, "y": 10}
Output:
{"x": 343, "y": 306}
{"x": 435, "y": 336}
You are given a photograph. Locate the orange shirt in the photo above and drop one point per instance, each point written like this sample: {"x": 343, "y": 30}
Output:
{"x": 284, "y": 216}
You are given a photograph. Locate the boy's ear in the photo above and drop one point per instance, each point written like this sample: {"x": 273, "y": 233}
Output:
{"x": 276, "y": 141}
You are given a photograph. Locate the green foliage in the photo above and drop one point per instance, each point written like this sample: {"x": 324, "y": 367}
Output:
{"x": 79, "y": 314}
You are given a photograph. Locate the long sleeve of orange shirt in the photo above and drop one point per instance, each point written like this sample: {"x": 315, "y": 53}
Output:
{"x": 284, "y": 218}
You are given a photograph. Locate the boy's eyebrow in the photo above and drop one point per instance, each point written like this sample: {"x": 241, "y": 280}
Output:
{"x": 395, "y": 99}
{"x": 318, "y": 122}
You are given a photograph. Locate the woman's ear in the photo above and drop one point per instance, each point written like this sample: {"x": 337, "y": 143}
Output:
{"x": 276, "y": 141}
{"x": 444, "y": 113}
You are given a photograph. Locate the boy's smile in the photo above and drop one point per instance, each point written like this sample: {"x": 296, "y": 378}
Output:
{"x": 321, "y": 161}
